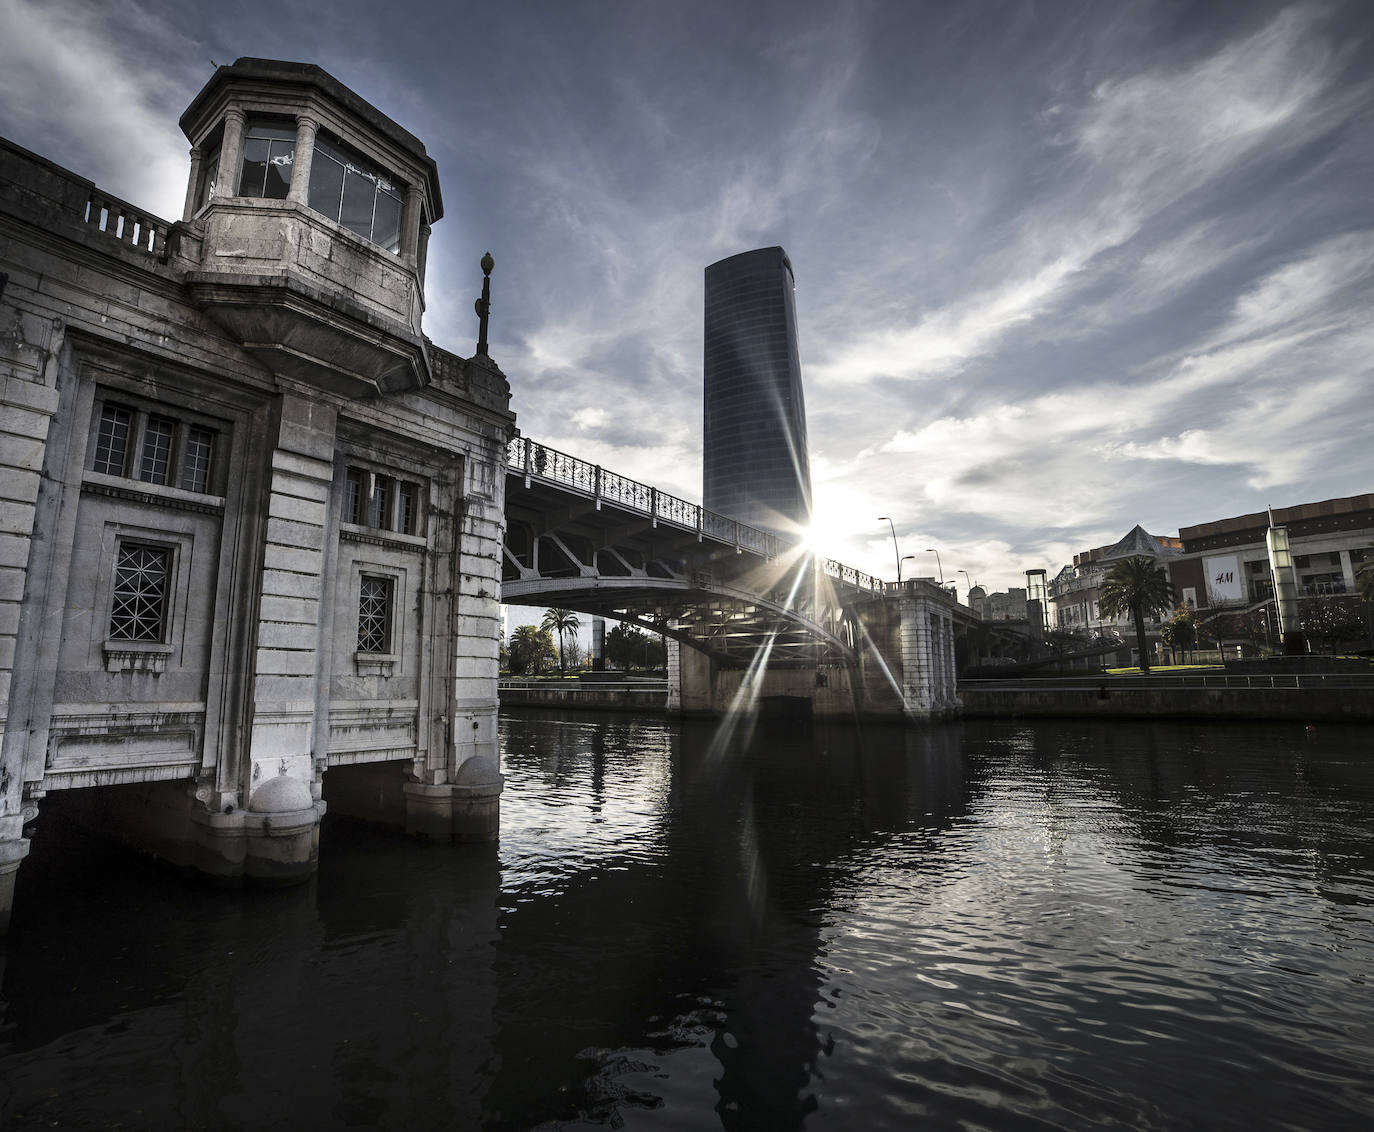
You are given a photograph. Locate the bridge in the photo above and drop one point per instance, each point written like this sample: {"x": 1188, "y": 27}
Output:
{"x": 744, "y": 601}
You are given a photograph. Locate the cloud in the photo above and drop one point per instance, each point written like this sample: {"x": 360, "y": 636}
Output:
{"x": 68, "y": 95}
{"x": 1134, "y": 149}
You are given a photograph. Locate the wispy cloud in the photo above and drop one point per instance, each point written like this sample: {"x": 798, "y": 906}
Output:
{"x": 66, "y": 94}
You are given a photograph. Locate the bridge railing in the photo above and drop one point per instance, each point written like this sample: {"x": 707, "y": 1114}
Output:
{"x": 540, "y": 461}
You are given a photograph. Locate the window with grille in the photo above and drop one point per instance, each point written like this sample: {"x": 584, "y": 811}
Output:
{"x": 155, "y": 448}
{"x": 374, "y": 614}
{"x": 139, "y": 607}
{"x": 112, "y": 440}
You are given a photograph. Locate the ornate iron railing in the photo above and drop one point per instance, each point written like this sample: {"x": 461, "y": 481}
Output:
{"x": 538, "y": 461}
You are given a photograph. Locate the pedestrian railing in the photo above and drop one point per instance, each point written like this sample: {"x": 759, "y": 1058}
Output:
{"x": 538, "y": 461}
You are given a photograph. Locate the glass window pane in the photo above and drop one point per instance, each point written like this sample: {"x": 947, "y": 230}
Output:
{"x": 359, "y": 192}
{"x": 157, "y": 450}
{"x": 138, "y": 610}
{"x": 381, "y": 502}
{"x": 353, "y": 498}
{"x": 280, "y": 158}
{"x": 112, "y": 441}
{"x": 386, "y": 223}
{"x": 326, "y": 184}
{"x": 254, "y": 174}
{"x": 406, "y": 507}
{"x": 195, "y": 462}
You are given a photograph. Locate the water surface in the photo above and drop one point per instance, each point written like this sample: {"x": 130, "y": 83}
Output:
{"x": 1065, "y": 925}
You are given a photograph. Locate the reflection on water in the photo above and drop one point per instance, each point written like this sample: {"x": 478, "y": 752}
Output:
{"x": 981, "y": 925}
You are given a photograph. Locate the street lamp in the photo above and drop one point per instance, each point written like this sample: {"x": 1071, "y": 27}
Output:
{"x": 932, "y": 550}
{"x": 904, "y": 558}
{"x": 968, "y": 582}
{"x": 896, "y": 553}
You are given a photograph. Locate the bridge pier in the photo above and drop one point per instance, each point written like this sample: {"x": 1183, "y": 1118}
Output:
{"x": 906, "y": 668}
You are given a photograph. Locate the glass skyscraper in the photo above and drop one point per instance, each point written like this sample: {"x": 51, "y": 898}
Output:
{"x": 754, "y": 462}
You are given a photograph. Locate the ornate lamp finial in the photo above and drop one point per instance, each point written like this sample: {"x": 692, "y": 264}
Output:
{"x": 483, "y": 305}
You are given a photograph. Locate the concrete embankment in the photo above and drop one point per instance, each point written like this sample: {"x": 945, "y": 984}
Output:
{"x": 1308, "y": 698}
{"x": 641, "y": 696}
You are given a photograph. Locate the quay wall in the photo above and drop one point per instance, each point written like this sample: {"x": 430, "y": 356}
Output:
{"x": 1118, "y": 699}
{"x": 647, "y": 697}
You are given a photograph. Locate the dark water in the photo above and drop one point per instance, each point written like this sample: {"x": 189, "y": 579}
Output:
{"x": 980, "y": 927}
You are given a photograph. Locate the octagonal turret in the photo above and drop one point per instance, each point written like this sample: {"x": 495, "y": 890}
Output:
{"x": 308, "y": 214}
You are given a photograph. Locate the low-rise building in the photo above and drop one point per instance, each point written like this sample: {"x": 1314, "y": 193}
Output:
{"x": 1223, "y": 566}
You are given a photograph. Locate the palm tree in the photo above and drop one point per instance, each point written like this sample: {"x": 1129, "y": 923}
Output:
{"x": 1364, "y": 581}
{"x": 560, "y": 621}
{"x": 1138, "y": 587}
{"x": 528, "y": 649}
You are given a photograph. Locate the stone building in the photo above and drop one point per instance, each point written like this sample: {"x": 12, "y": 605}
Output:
{"x": 252, "y": 516}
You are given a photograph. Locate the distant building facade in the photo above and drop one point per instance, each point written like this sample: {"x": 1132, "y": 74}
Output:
{"x": 1075, "y": 592}
{"x": 1223, "y": 566}
{"x": 253, "y": 516}
{"x": 1000, "y": 606}
{"x": 755, "y": 466}
{"x": 1226, "y": 562}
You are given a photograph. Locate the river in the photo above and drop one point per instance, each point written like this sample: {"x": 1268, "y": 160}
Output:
{"x": 979, "y": 925}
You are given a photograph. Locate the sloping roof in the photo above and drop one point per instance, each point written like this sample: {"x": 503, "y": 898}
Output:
{"x": 1139, "y": 542}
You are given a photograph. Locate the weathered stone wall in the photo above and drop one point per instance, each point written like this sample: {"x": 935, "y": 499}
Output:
{"x": 254, "y": 688}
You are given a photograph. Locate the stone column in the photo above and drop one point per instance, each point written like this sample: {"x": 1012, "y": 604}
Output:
{"x": 1347, "y": 572}
{"x": 459, "y": 795}
{"x": 28, "y": 401}
{"x": 410, "y": 226}
{"x": 674, "y": 704}
{"x": 197, "y": 159}
{"x": 231, "y": 152}
{"x": 422, "y": 252}
{"x": 302, "y": 159}
{"x": 280, "y": 785}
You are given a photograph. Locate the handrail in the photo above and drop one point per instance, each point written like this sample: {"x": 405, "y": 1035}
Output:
{"x": 538, "y": 461}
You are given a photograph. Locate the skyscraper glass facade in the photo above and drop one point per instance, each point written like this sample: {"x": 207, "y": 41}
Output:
{"x": 754, "y": 461}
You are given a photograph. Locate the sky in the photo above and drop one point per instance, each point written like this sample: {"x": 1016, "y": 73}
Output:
{"x": 1061, "y": 267}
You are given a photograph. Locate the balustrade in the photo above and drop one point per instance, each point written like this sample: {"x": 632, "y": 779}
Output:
{"x": 125, "y": 223}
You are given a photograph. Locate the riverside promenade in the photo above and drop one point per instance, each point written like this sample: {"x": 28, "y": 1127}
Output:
{"x": 1306, "y": 696}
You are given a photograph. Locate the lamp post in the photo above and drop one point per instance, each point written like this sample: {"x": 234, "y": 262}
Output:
{"x": 483, "y": 305}
{"x": 932, "y": 550}
{"x": 896, "y": 553}
{"x": 912, "y": 557}
{"x": 968, "y": 582}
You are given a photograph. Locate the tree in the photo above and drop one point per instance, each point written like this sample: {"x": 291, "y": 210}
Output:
{"x": 1138, "y": 587}
{"x": 1364, "y": 586}
{"x": 562, "y": 622}
{"x": 628, "y": 646}
{"x": 1364, "y": 581}
{"x": 529, "y": 649}
{"x": 1331, "y": 621}
{"x": 1181, "y": 630}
